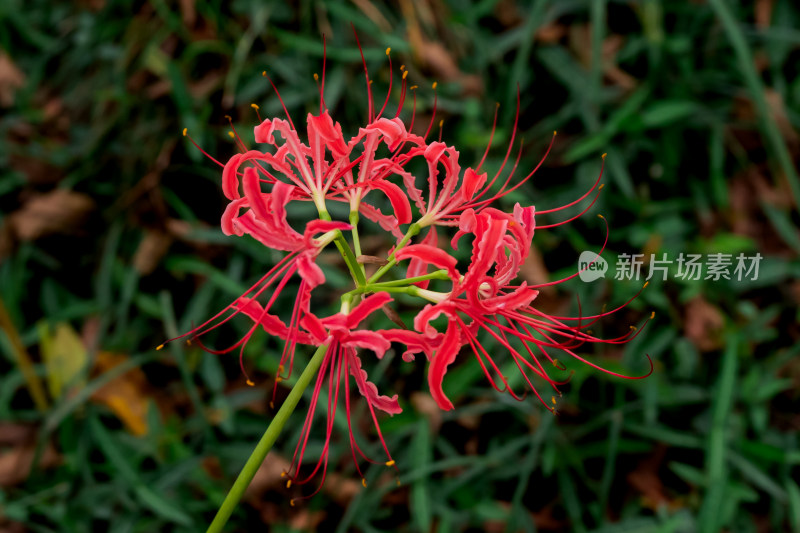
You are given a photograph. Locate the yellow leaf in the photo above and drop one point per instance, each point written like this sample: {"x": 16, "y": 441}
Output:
{"x": 126, "y": 395}
{"x": 64, "y": 355}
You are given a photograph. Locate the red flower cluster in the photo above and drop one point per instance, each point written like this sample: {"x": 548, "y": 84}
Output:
{"x": 483, "y": 302}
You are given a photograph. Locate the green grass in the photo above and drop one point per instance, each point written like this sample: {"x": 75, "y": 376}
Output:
{"x": 699, "y": 161}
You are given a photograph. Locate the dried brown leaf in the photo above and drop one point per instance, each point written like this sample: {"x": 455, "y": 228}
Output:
{"x": 59, "y": 211}
{"x": 342, "y": 488}
{"x": 551, "y": 33}
{"x": 393, "y": 316}
{"x": 151, "y": 250}
{"x": 11, "y": 79}
{"x": 188, "y": 12}
{"x": 371, "y": 260}
{"x": 762, "y": 11}
{"x": 36, "y": 171}
{"x": 426, "y": 405}
{"x": 12, "y": 434}
{"x": 374, "y": 14}
{"x": 16, "y": 463}
{"x": 703, "y": 324}
{"x": 777, "y": 109}
{"x": 268, "y": 476}
{"x": 533, "y": 269}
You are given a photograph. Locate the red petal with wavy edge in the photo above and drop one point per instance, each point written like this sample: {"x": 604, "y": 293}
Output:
{"x": 314, "y": 326}
{"x": 323, "y": 128}
{"x": 316, "y": 227}
{"x": 252, "y": 191}
{"x": 387, "y": 222}
{"x": 230, "y": 181}
{"x": 417, "y": 267}
{"x": 309, "y": 270}
{"x": 393, "y": 131}
{"x": 264, "y": 132}
{"x": 430, "y": 255}
{"x": 368, "y": 390}
{"x": 443, "y": 357}
{"x": 409, "y": 182}
{"x": 431, "y": 312}
{"x": 471, "y": 183}
{"x": 230, "y": 177}
{"x": 370, "y": 340}
{"x": 229, "y": 216}
{"x": 488, "y": 234}
{"x": 467, "y": 223}
{"x": 415, "y": 342}
{"x": 521, "y": 297}
{"x": 398, "y": 199}
{"x": 368, "y": 306}
{"x": 267, "y": 234}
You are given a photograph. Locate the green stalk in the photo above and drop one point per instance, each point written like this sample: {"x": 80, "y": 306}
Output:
{"x": 354, "y": 218}
{"x": 352, "y": 263}
{"x": 439, "y": 274}
{"x": 265, "y": 444}
{"x": 347, "y": 254}
{"x": 413, "y": 229}
{"x": 399, "y": 285}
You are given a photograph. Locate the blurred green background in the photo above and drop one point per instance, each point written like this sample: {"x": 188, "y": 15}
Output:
{"x": 109, "y": 244}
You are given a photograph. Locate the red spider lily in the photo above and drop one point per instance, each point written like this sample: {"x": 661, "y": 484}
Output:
{"x": 341, "y": 358}
{"x": 484, "y": 301}
{"x": 289, "y": 173}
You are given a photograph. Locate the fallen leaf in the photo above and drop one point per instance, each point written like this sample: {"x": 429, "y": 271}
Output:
{"x": 151, "y": 250}
{"x": 533, "y": 269}
{"x": 374, "y": 14}
{"x": 342, "y": 488}
{"x": 777, "y": 108}
{"x": 703, "y": 324}
{"x": 551, "y": 33}
{"x": 306, "y": 520}
{"x": 445, "y": 67}
{"x": 127, "y": 396}
{"x": 11, "y": 79}
{"x": 12, "y": 434}
{"x": 37, "y": 171}
{"x": 426, "y": 405}
{"x": 16, "y": 463}
{"x": 65, "y": 357}
{"x": 508, "y": 13}
{"x": 268, "y": 476}
{"x": 59, "y": 211}
{"x": 188, "y": 12}
{"x": 762, "y": 11}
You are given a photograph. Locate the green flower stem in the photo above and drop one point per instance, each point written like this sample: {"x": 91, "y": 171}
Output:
{"x": 400, "y": 285}
{"x": 350, "y": 259}
{"x": 266, "y": 442}
{"x": 347, "y": 254}
{"x": 354, "y": 218}
{"x": 439, "y": 274}
{"x": 413, "y": 230}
